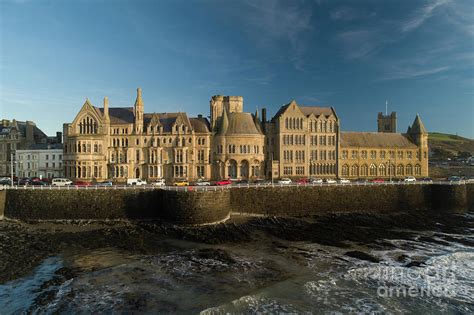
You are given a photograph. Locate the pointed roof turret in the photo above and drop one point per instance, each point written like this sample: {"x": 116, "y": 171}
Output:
{"x": 139, "y": 100}
{"x": 256, "y": 120}
{"x": 224, "y": 123}
{"x": 417, "y": 127}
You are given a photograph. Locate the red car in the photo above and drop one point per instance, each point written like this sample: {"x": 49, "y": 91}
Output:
{"x": 81, "y": 183}
{"x": 378, "y": 180}
{"x": 303, "y": 181}
{"x": 223, "y": 182}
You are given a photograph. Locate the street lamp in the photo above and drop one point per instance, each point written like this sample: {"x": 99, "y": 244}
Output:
{"x": 11, "y": 167}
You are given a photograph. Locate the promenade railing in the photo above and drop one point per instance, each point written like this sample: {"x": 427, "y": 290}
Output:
{"x": 223, "y": 187}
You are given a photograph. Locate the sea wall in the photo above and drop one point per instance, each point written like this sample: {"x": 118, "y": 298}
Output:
{"x": 311, "y": 200}
{"x": 203, "y": 207}
{"x": 193, "y": 207}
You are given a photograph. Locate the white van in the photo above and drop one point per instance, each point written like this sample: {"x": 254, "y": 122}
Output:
{"x": 61, "y": 182}
{"x": 136, "y": 181}
{"x": 159, "y": 182}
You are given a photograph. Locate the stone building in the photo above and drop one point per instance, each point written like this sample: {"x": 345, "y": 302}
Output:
{"x": 238, "y": 140}
{"x": 16, "y": 135}
{"x": 40, "y": 160}
{"x": 125, "y": 142}
{"x": 302, "y": 141}
{"x": 385, "y": 155}
{"x": 299, "y": 141}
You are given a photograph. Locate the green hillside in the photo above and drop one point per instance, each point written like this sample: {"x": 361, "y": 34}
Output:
{"x": 445, "y": 145}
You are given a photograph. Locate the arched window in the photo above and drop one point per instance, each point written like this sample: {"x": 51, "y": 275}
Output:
{"x": 364, "y": 170}
{"x": 409, "y": 170}
{"x": 417, "y": 170}
{"x": 382, "y": 170}
{"x": 355, "y": 170}
{"x": 373, "y": 170}
{"x": 345, "y": 170}
{"x": 400, "y": 169}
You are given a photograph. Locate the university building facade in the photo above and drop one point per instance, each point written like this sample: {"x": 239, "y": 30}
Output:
{"x": 299, "y": 141}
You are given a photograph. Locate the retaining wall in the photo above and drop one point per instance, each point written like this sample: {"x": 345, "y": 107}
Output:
{"x": 193, "y": 207}
{"x": 202, "y": 207}
{"x": 309, "y": 200}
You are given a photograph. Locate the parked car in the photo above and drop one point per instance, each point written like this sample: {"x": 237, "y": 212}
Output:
{"x": 159, "y": 182}
{"x": 181, "y": 182}
{"x": 61, "y": 182}
{"x": 5, "y": 181}
{"x": 378, "y": 180}
{"x": 316, "y": 181}
{"x": 344, "y": 181}
{"x": 242, "y": 182}
{"x": 284, "y": 181}
{"x": 329, "y": 181}
{"x": 24, "y": 181}
{"x": 136, "y": 182}
{"x": 37, "y": 183}
{"x": 409, "y": 179}
{"x": 262, "y": 182}
{"x": 426, "y": 180}
{"x": 454, "y": 179}
{"x": 223, "y": 182}
{"x": 105, "y": 183}
{"x": 303, "y": 181}
{"x": 202, "y": 182}
{"x": 81, "y": 183}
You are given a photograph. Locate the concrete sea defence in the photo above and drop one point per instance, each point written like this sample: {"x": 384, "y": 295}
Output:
{"x": 212, "y": 206}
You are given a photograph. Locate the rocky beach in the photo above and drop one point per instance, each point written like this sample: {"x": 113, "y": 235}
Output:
{"x": 70, "y": 251}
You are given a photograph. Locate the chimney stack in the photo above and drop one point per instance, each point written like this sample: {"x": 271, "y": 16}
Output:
{"x": 59, "y": 137}
{"x": 264, "y": 115}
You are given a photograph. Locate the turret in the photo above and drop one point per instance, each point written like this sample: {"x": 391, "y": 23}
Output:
{"x": 223, "y": 123}
{"x": 418, "y": 132}
{"x": 106, "y": 109}
{"x": 138, "y": 112}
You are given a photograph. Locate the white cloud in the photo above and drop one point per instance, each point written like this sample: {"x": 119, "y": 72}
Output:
{"x": 421, "y": 15}
{"x": 412, "y": 72}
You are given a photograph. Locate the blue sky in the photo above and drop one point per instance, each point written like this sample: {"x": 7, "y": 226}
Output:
{"x": 352, "y": 55}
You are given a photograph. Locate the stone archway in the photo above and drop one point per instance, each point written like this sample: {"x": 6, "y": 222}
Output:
{"x": 232, "y": 169}
{"x": 137, "y": 172}
{"x": 244, "y": 169}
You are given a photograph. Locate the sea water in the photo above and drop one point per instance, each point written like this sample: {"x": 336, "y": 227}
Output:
{"x": 266, "y": 275}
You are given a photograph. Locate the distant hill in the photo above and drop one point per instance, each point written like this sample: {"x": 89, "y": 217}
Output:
{"x": 444, "y": 145}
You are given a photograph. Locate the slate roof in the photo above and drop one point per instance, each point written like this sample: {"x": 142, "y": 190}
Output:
{"x": 307, "y": 110}
{"x": 38, "y": 134}
{"x": 417, "y": 126}
{"x": 200, "y": 124}
{"x": 375, "y": 140}
{"x": 119, "y": 115}
{"x": 242, "y": 123}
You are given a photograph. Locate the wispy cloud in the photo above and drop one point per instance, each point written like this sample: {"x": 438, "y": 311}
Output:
{"x": 421, "y": 15}
{"x": 271, "y": 23}
{"x": 365, "y": 41}
{"x": 412, "y": 73}
{"x": 360, "y": 43}
{"x": 345, "y": 13}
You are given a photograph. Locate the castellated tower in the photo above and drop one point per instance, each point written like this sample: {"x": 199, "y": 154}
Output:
{"x": 233, "y": 104}
{"x": 387, "y": 123}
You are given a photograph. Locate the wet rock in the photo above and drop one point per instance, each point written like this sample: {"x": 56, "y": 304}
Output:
{"x": 415, "y": 264}
{"x": 362, "y": 256}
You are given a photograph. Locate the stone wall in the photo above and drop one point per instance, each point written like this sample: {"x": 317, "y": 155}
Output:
{"x": 2, "y": 203}
{"x": 311, "y": 200}
{"x": 200, "y": 207}
{"x": 191, "y": 207}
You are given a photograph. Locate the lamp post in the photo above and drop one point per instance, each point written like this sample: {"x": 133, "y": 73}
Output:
{"x": 11, "y": 168}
